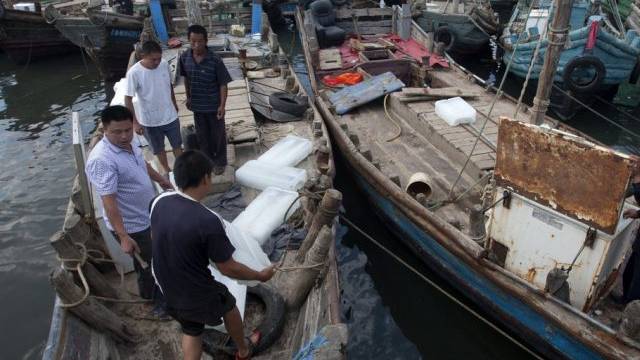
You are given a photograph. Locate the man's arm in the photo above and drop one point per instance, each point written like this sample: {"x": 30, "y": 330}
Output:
{"x": 223, "y": 102}
{"x": 155, "y": 176}
{"x": 236, "y": 270}
{"x": 173, "y": 98}
{"x": 128, "y": 102}
{"x": 110, "y": 203}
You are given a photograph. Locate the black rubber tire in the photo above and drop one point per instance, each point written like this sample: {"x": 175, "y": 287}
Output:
{"x": 270, "y": 328}
{"x": 189, "y": 138}
{"x": 445, "y": 36}
{"x": 289, "y": 103}
{"x": 323, "y": 12}
{"x": 635, "y": 73}
{"x": 339, "y": 2}
{"x": 584, "y": 61}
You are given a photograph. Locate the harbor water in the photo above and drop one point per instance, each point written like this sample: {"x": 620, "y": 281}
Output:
{"x": 391, "y": 313}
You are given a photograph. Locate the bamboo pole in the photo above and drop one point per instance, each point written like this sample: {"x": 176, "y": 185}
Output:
{"x": 557, "y": 35}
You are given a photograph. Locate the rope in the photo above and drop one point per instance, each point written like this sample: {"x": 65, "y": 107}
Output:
{"x": 493, "y": 102}
{"x": 85, "y": 254}
{"x": 440, "y": 289}
{"x": 386, "y": 112}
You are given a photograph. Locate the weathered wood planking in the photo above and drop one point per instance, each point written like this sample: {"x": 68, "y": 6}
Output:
{"x": 330, "y": 59}
{"x": 353, "y": 96}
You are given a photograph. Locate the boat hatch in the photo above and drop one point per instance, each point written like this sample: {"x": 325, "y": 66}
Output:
{"x": 567, "y": 196}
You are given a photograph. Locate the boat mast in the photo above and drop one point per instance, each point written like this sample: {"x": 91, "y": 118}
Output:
{"x": 557, "y": 35}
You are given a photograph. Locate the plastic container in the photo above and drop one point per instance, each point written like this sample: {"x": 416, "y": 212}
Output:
{"x": 288, "y": 151}
{"x": 260, "y": 175}
{"x": 266, "y": 212}
{"x": 455, "y": 111}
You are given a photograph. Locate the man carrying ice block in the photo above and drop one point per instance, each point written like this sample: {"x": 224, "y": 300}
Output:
{"x": 186, "y": 235}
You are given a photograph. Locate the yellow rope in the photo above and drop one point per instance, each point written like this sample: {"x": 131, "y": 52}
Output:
{"x": 386, "y": 112}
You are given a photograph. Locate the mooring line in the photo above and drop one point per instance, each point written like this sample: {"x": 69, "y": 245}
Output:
{"x": 440, "y": 289}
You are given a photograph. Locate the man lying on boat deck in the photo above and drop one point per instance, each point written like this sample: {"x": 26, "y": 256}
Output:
{"x": 157, "y": 112}
{"x": 186, "y": 235}
{"x": 119, "y": 174}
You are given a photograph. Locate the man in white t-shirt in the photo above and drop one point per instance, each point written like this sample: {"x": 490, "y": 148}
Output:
{"x": 157, "y": 114}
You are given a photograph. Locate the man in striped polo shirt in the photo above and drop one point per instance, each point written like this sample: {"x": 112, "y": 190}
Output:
{"x": 206, "y": 79}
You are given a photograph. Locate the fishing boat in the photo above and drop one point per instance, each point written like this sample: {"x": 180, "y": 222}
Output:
{"x": 294, "y": 321}
{"x": 26, "y": 36}
{"x": 490, "y": 204}
{"x": 105, "y": 35}
{"x": 462, "y": 28}
{"x": 598, "y": 58}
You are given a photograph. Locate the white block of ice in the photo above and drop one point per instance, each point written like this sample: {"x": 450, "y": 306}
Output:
{"x": 259, "y": 175}
{"x": 266, "y": 212}
{"x": 288, "y": 151}
{"x": 455, "y": 111}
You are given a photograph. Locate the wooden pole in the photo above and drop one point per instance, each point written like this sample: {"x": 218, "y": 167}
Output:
{"x": 327, "y": 210}
{"x": 90, "y": 310}
{"x": 557, "y": 35}
{"x": 65, "y": 248}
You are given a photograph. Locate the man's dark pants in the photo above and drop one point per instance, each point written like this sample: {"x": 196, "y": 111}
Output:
{"x": 212, "y": 137}
{"x": 146, "y": 284}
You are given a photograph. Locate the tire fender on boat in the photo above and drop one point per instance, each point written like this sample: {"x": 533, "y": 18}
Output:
{"x": 270, "y": 328}
{"x": 584, "y": 61}
{"x": 442, "y": 34}
{"x": 289, "y": 103}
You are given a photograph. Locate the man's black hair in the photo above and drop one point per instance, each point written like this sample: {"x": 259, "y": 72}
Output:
{"x": 150, "y": 47}
{"x": 197, "y": 29}
{"x": 115, "y": 113}
{"x": 190, "y": 168}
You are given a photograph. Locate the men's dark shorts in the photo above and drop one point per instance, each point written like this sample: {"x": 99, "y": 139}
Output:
{"x": 155, "y": 136}
{"x": 193, "y": 321}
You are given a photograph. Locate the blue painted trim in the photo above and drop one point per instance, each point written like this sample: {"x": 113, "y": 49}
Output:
{"x": 158, "y": 20}
{"x": 450, "y": 267}
{"x": 256, "y": 16}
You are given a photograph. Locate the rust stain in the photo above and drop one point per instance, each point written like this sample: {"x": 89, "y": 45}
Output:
{"x": 579, "y": 179}
{"x": 531, "y": 274}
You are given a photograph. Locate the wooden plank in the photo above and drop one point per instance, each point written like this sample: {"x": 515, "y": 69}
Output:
{"x": 422, "y": 107}
{"x": 353, "y": 96}
{"x": 330, "y": 59}
{"x": 348, "y": 13}
{"x": 80, "y": 156}
{"x": 446, "y": 92}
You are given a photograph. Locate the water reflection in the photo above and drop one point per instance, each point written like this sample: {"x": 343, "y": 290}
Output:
{"x": 35, "y": 181}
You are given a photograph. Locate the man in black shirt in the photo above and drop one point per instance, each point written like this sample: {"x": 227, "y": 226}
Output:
{"x": 186, "y": 236}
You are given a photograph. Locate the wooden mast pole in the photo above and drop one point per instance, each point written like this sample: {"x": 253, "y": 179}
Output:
{"x": 557, "y": 35}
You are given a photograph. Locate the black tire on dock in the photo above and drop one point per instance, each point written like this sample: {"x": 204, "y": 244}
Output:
{"x": 587, "y": 61}
{"x": 445, "y": 36}
{"x": 289, "y": 103}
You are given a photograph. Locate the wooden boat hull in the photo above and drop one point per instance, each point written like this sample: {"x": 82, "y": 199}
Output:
{"x": 468, "y": 39}
{"x": 26, "y": 36}
{"x": 618, "y": 56}
{"x": 108, "y": 43}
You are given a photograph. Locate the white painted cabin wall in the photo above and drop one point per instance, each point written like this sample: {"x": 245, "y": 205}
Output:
{"x": 540, "y": 243}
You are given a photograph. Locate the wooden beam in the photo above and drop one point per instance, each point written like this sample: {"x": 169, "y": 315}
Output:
{"x": 80, "y": 159}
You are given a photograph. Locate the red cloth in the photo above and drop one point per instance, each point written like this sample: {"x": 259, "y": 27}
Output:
{"x": 415, "y": 50}
{"x": 593, "y": 35}
{"x": 348, "y": 78}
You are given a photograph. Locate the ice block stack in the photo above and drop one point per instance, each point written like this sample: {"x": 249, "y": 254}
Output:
{"x": 275, "y": 174}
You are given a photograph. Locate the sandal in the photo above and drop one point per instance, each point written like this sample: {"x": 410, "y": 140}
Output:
{"x": 252, "y": 341}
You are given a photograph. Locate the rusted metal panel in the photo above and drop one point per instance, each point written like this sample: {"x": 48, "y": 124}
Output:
{"x": 569, "y": 174}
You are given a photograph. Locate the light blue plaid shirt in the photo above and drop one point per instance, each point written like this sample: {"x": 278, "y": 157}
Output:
{"x": 113, "y": 170}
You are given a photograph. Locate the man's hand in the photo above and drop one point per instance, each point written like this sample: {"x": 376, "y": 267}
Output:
{"x": 128, "y": 245}
{"x": 267, "y": 273}
{"x": 221, "y": 113}
{"x": 630, "y": 214}
{"x": 138, "y": 128}
{"x": 166, "y": 184}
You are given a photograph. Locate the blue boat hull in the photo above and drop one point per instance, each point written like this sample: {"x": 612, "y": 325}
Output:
{"x": 545, "y": 336}
{"x": 619, "y": 57}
